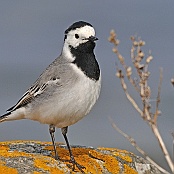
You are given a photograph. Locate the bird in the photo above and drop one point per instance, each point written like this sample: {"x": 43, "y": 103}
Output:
{"x": 66, "y": 90}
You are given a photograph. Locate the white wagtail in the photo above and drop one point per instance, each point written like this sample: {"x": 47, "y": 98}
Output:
{"x": 67, "y": 90}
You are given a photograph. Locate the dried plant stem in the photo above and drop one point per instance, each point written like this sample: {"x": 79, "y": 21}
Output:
{"x": 173, "y": 146}
{"x": 153, "y": 125}
{"x": 163, "y": 147}
{"x": 158, "y": 97}
{"x": 133, "y": 142}
{"x": 141, "y": 65}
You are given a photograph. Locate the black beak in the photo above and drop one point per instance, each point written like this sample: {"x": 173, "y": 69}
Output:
{"x": 92, "y": 38}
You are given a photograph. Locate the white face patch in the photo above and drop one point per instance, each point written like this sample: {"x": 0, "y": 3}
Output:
{"x": 79, "y": 35}
{"x": 83, "y": 34}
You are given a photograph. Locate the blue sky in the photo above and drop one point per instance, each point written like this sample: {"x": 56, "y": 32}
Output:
{"x": 31, "y": 37}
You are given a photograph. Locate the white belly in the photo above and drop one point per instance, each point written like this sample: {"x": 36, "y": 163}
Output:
{"x": 67, "y": 108}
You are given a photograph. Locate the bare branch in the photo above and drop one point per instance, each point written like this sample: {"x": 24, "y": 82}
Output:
{"x": 132, "y": 101}
{"x": 133, "y": 142}
{"x": 141, "y": 65}
{"x": 157, "y": 112}
{"x": 173, "y": 146}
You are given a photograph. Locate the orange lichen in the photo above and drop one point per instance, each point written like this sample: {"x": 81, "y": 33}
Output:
{"x": 111, "y": 164}
{"x": 82, "y": 157}
{"x": 126, "y": 158}
{"x": 36, "y": 172}
{"x": 7, "y": 170}
{"x": 4, "y": 150}
{"x": 63, "y": 153}
{"x": 47, "y": 164}
{"x": 5, "y": 153}
{"x": 41, "y": 163}
{"x": 94, "y": 161}
{"x": 129, "y": 170}
{"x": 123, "y": 154}
{"x": 90, "y": 164}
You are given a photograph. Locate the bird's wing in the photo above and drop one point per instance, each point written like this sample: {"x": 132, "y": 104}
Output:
{"x": 50, "y": 77}
{"x": 26, "y": 98}
{"x": 33, "y": 92}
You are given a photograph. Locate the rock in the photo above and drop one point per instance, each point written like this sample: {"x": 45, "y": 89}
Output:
{"x": 35, "y": 157}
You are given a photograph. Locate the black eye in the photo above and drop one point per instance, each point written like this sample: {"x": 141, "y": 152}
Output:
{"x": 76, "y": 36}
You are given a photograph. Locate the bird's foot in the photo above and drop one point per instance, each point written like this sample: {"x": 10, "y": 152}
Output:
{"x": 74, "y": 164}
{"x": 57, "y": 157}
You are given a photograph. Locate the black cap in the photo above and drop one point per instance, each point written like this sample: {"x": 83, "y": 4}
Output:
{"x": 78, "y": 24}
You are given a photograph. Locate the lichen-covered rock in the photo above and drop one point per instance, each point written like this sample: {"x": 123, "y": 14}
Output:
{"x": 34, "y": 157}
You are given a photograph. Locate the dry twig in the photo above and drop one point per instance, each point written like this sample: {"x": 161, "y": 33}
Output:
{"x": 133, "y": 142}
{"x": 141, "y": 64}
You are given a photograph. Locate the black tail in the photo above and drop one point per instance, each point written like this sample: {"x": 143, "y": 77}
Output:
{"x": 4, "y": 117}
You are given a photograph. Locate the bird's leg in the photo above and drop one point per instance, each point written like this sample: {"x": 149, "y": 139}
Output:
{"x": 52, "y": 131}
{"x": 72, "y": 160}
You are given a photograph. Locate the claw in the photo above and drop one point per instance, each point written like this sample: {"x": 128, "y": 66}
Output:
{"x": 74, "y": 164}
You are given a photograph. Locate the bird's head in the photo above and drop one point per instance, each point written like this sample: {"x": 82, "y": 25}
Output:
{"x": 80, "y": 36}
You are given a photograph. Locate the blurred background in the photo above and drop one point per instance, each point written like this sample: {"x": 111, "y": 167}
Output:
{"x": 31, "y": 37}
